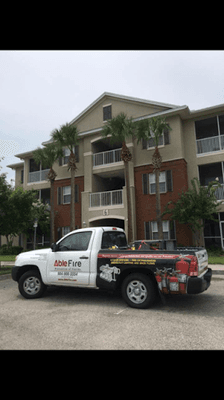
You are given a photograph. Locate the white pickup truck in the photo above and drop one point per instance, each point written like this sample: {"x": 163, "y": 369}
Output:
{"x": 100, "y": 258}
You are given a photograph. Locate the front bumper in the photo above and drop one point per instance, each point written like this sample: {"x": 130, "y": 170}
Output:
{"x": 197, "y": 285}
{"x": 14, "y": 273}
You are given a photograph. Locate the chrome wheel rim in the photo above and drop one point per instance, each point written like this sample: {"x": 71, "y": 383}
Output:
{"x": 137, "y": 292}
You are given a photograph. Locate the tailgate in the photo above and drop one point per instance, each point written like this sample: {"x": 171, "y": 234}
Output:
{"x": 202, "y": 257}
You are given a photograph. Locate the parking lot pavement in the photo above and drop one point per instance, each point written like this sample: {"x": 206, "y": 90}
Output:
{"x": 69, "y": 318}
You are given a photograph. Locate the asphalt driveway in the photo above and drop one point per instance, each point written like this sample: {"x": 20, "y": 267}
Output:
{"x": 69, "y": 318}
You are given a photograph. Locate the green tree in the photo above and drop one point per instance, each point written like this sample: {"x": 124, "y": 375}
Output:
{"x": 147, "y": 129}
{"x": 120, "y": 128}
{"x": 67, "y": 136}
{"x": 194, "y": 206}
{"x": 16, "y": 210}
{"x": 40, "y": 213}
{"x": 48, "y": 156}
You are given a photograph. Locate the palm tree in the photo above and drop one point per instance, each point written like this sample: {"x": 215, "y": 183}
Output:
{"x": 67, "y": 136}
{"x": 120, "y": 128}
{"x": 147, "y": 129}
{"x": 47, "y": 157}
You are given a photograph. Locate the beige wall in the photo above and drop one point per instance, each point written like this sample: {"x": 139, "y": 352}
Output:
{"x": 94, "y": 117}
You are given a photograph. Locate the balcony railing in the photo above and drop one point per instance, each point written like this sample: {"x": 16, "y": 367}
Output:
{"x": 220, "y": 193}
{"x": 211, "y": 144}
{"x": 111, "y": 198}
{"x": 106, "y": 157}
{"x": 38, "y": 176}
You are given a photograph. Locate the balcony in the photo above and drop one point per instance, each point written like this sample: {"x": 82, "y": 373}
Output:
{"x": 106, "y": 157}
{"x": 103, "y": 199}
{"x": 219, "y": 193}
{"x": 210, "y": 144}
{"x": 38, "y": 176}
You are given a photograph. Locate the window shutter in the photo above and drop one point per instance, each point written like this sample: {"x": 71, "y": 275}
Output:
{"x": 59, "y": 195}
{"x": 169, "y": 180}
{"x": 172, "y": 230}
{"x": 144, "y": 144}
{"x": 77, "y": 153}
{"x": 145, "y": 183}
{"x": 59, "y": 232}
{"x": 147, "y": 230}
{"x": 166, "y": 137}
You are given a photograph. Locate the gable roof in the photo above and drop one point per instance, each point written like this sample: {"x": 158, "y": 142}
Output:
{"x": 122, "y": 97}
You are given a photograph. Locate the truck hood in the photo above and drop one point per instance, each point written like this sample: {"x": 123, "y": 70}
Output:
{"x": 33, "y": 255}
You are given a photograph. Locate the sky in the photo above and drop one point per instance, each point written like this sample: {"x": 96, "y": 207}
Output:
{"x": 42, "y": 90}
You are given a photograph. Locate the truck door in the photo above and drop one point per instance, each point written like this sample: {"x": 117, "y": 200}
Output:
{"x": 70, "y": 264}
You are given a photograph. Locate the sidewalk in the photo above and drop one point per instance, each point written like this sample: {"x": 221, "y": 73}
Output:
{"x": 7, "y": 263}
{"x": 217, "y": 269}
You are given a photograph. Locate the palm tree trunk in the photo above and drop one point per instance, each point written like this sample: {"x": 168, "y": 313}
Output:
{"x": 51, "y": 176}
{"x": 72, "y": 166}
{"x": 158, "y": 207}
{"x": 72, "y": 199}
{"x": 157, "y": 161}
{"x": 126, "y": 156}
{"x": 127, "y": 184}
{"x": 52, "y": 213}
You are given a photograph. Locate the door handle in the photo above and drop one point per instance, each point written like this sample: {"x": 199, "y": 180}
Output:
{"x": 83, "y": 258}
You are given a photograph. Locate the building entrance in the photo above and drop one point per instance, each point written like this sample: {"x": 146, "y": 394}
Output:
{"x": 119, "y": 223}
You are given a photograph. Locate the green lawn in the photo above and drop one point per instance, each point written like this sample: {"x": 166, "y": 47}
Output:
{"x": 216, "y": 260}
{"x": 7, "y": 258}
{"x": 5, "y": 270}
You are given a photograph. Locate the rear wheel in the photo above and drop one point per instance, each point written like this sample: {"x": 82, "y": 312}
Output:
{"x": 31, "y": 285}
{"x": 138, "y": 290}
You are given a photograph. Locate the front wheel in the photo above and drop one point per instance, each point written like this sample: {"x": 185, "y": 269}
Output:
{"x": 138, "y": 290}
{"x": 31, "y": 285}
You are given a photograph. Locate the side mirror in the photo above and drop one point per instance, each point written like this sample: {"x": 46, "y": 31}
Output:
{"x": 54, "y": 247}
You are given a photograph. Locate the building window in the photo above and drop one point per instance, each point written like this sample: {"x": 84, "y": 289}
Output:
{"x": 65, "y": 230}
{"x": 165, "y": 182}
{"x": 44, "y": 196}
{"x": 164, "y": 139}
{"x": 64, "y": 194}
{"x": 212, "y": 232}
{"x": 107, "y": 113}
{"x": 210, "y": 134}
{"x": 36, "y": 172}
{"x": 66, "y": 151}
{"x": 151, "y": 230}
{"x": 162, "y": 183}
{"x": 209, "y": 173}
{"x": 22, "y": 175}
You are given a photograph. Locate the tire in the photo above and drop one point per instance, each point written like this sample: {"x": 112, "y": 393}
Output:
{"x": 138, "y": 290}
{"x": 31, "y": 285}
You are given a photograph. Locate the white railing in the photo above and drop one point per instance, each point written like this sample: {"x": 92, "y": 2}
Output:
{"x": 220, "y": 193}
{"x": 111, "y": 198}
{"x": 211, "y": 144}
{"x": 106, "y": 157}
{"x": 38, "y": 176}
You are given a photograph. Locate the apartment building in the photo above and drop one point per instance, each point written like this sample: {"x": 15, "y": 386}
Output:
{"x": 193, "y": 148}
